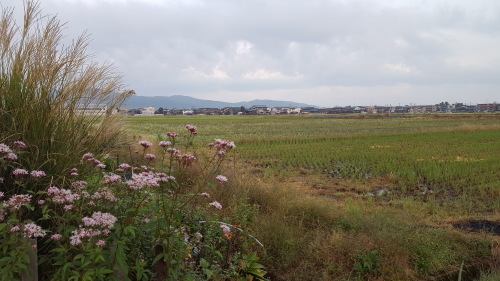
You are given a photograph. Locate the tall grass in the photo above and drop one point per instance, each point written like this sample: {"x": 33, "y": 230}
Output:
{"x": 42, "y": 85}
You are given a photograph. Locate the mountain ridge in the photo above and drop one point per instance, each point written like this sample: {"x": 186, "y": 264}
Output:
{"x": 186, "y": 102}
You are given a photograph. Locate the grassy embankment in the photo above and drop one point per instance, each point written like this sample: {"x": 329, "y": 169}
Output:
{"x": 350, "y": 199}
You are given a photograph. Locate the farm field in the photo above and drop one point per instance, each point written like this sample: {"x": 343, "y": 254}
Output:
{"x": 425, "y": 182}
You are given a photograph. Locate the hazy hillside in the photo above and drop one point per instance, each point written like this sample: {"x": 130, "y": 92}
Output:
{"x": 185, "y": 102}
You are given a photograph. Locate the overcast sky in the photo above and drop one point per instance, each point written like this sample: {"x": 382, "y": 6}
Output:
{"x": 320, "y": 52}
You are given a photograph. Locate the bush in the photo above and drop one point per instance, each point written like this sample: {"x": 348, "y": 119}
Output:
{"x": 154, "y": 218}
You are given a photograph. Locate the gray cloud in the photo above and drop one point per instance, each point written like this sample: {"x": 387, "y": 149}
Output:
{"x": 323, "y": 50}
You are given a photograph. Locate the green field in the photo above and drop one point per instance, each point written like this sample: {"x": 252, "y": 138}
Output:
{"x": 337, "y": 195}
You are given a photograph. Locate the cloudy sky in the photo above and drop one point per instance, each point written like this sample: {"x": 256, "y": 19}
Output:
{"x": 321, "y": 52}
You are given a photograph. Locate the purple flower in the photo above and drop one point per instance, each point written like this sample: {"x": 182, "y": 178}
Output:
{"x": 41, "y": 202}
{"x": 226, "y": 230}
{"x": 38, "y": 174}
{"x": 221, "y": 179}
{"x": 145, "y": 144}
{"x": 88, "y": 156}
{"x": 101, "y": 166}
{"x": 15, "y": 229}
{"x": 56, "y": 236}
{"x": 172, "y": 135}
{"x": 20, "y": 172}
{"x": 149, "y": 156}
{"x": 165, "y": 144}
{"x": 32, "y": 230}
{"x": 19, "y": 145}
{"x": 216, "y": 205}
{"x": 1, "y": 195}
{"x": 191, "y": 129}
{"x": 204, "y": 194}
{"x": 11, "y": 156}
{"x": 4, "y": 149}
{"x": 124, "y": 166}
{"x": 100, "y": 243}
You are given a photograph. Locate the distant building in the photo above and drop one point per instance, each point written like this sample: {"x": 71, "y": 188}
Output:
{"x": 148, "y": 111}
{"x": 488, "y": 107}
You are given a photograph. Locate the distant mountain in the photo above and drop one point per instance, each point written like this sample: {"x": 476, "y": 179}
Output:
{"x": 185, "y": 102}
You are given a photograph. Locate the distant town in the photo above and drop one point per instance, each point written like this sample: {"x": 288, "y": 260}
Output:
{"x": 443, "y": 107}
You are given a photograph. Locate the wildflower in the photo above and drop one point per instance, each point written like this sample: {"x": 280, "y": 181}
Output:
{"x": 100, "y": 243}
{"x": 221, "y": 153}
{"x": 38, "y": 174}
{"x": 56, "y": 236}
{"x": 111, "y": 178}
{"x": 173, "y": 151}
{"x": 149, "y": 156}
{"x": 73, "y": 174}
{"x": 164, "y": 144}
{"x": 105, "y": 220}
{"x": 211, "y": 145}
{"x": 1, "y": 195}
{"x": 225, "y": 230}
{"x": 91, "y": 203}
{"x": 101, "y": 166}
{"x": 106, "y": 232}
{"x": 119, "y": 171}
{"x": 105, "y": 194}
{"x": 17, "y": 201}
{"x": 19, "y": 145}
{"x": 88, "y": 156}
{"x": 32, "y": 230}
{"x": 187, "y": 159}
{"x": 204, "y": 194}
{"x": 221, "y": 179}
{"x": 20, "y": 172}
{"x": 11, "y": 156}
{"x": 4, "y": 149}
{"x": 41, "y": 202}
{"x": 68, "y": 207}
{"x": 15, "y": 229}
{"x": 145, "y": 144}
{"x": 191, "y": 129}
{"x": 172, "y": 135}
{"x": 124, "y": 166}
{"x": 79, "y": 184}
{"x": 62, "y": 196}
{"x": 216, "y": 205}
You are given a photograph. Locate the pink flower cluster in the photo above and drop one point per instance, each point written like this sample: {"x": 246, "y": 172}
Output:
{"x": 62, "y": 196}
{"x": 172, "y": 135}
{"x": 111, "y": 179}
{"x": 192, "y": 129}
{"x": 145, "y": 144}
{"x": 106, "y": 194}
{"x": 147, "y": 179}
{"x": 20, "y": 172}
{"x": 221, "y": 179}
{"x": 164, "y": 143}
{"x": 149, "y": 156}
{"x": 186, "y": 159}
{"x": 226, "y": 230}
{"x": 19, "y": 145}
{"x": 98, "y": 219}
{"x": 32, "y": 230}
{"x": 38, "y": 174}
{"x": 216, "y": 205}
{"x": 17, "y": 201}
